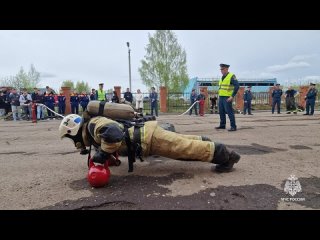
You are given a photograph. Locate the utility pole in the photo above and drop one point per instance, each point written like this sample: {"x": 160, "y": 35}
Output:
{"x": 128, "y": 44}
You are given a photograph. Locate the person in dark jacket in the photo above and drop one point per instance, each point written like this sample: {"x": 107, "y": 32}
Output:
{"x": 49, "y": 102}
{"x": 311, "y": 99}
{"x": 193, "y": 98}
{"x": 84, "y": 100}
{"x": 61, "y": 103}
{"x": 154, "y": 101}
{"x": 128, "y": 96}
{"x": 247, "y": 98}
{"x": 74, "y": 101}
{"x": 93, "y": 95}
{"x": 38, "y": 98}
{"x": 276, "y": 98}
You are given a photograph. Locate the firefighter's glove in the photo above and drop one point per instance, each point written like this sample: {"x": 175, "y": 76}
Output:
{"x": 100, "y": 157}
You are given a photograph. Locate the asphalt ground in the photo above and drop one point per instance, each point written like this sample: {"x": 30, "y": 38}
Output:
{"x": 40, "y": 171}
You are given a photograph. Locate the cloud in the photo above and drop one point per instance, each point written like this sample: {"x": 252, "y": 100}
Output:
{"x": 300, "y": 58}
{"x": 298, "y": 61}
{"x": 287, "y": 66}
{"x": 47, "y": 75}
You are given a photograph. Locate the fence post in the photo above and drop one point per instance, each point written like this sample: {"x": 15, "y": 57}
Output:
{"x": 270, "y": 95}
{"x": 239, "y": 99}
{"x": 303, "y": 90}
{"x": 163, "y": 99}
{"x": 117, "y": 89}
{"x": 34, "y": 112}
{"x": 66, "y": 93}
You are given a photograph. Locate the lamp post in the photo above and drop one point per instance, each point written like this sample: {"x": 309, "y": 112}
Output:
{"x": 128, "y": 44}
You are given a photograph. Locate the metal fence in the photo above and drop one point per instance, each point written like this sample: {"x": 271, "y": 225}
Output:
{"x": 178, "y": 102}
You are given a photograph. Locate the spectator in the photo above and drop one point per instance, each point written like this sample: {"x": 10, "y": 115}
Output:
{"x": 154, "y": 101}
{"x": 139, "y": 101}
{"x": 93, "y": 95}
{"x": 25, "y": 102}
{"x": 49, "y": 90}
{"x": 2, "y": 102}
{"x": 247, "y": 98}
{"x": 49, "y": 102}
{"x": 193, "y": 99}
{"x": 38, "y": 98}
{"x": 276, "y": 98}
{"x": 15, "y": 104}
{"x": 214, "y": 106}
{"x": 311, "y": 99}
{"x": 61, "y": 103}
{"x": 128, "y": 96}
{"x": 84, "y": 100}
{"x": 74, "y": 101}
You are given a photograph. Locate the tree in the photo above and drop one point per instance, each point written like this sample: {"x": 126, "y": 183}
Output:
{"x": 33, "y": 76}
{"x": 82, "y": 86}
{"x": 165, "y": 62}
{"x": 23, "y": 80}
{"x": 68, "y": 83}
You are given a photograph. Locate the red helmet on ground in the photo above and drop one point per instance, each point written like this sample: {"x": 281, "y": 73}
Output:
{"x": 98, "y": 175}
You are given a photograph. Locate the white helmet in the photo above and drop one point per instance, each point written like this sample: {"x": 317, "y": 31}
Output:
{"x": 70, "y": 125}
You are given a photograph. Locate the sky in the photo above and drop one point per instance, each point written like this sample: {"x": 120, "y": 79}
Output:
{"x": 102, "y": 56}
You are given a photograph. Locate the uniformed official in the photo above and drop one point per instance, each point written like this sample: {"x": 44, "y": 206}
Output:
{"x": 49, "y": 102}
{"x": 101, "y": 94}
{"x": 74, "y": 101}
{"x": 276, "y": 98}
{"x": 228, "y": 88}
{"x": 62, "y": 103}
{"x": 247, "y": 98}
{"x": 311, "y": 99}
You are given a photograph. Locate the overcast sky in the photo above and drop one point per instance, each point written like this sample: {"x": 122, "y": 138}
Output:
{"x": 102, "y": 56}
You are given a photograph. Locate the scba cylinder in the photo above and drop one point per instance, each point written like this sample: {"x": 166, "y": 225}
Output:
{"x": 111, "y": 110}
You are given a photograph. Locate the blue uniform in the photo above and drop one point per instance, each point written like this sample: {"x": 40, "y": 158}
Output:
{"x": 276, "y": 99}
{"x": 84, "y": 101}
{"x": 93, "y": 96}
{"x": 193, "y": 98}
{"x": 74, "y": 101}
{"x": 62, "y": 104}
{"x": 310, "y": 100}
{"x": 154, "y": 102}
{"x": 226, "y": 107}
{"x": 247, "y": 97}
{"x": 49, "y": 102}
